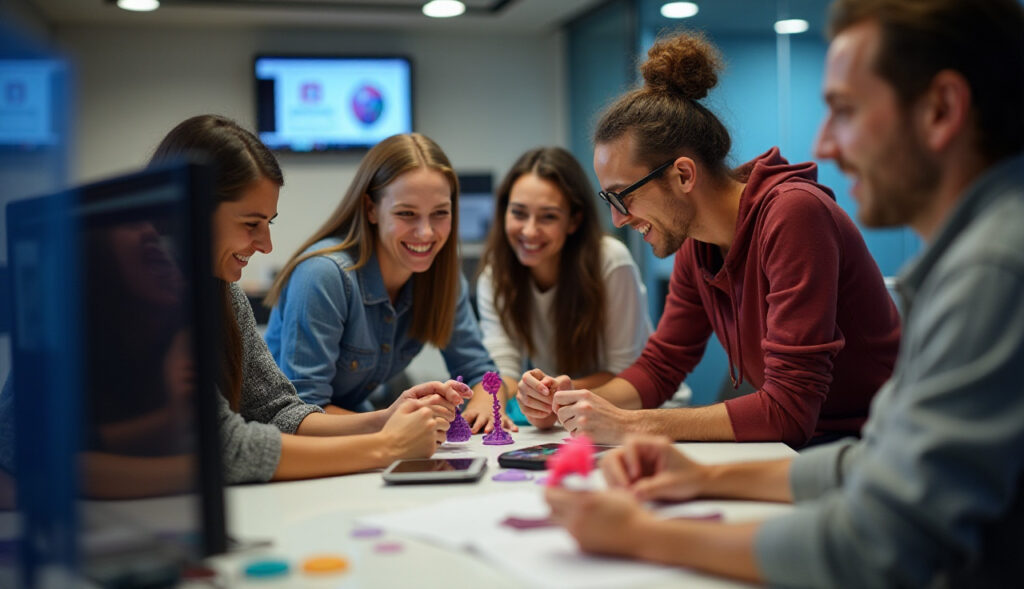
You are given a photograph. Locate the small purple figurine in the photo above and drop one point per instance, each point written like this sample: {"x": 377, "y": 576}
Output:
{"x": 459, "y": 430}
{"x": 498, "y": 435}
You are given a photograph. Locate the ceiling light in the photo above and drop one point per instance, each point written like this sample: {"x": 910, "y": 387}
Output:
{"x": 443, "y": 8}
{"x": 138, "y": 5}
{"x": 679, "y": 9}
{"x": 790, "y": 26}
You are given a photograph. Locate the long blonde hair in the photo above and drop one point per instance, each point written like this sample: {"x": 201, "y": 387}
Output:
{"x": 435, "y": 291}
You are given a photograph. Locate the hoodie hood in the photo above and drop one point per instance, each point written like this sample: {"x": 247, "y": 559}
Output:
{"x": 762, "y": 176}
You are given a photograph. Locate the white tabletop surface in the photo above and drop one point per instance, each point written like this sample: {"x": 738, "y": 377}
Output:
{"x": 309, "y": 518}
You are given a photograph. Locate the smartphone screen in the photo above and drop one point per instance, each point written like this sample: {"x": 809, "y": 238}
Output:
{"x": 433, "y": 465}
{"x": 436, "y": 470}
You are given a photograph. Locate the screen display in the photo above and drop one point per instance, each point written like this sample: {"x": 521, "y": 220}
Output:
{"x": 112, "y": 302}
{"x": 28, "y": 101}
{"x": 308, "y": 104}
{"x": 434, "y": 465}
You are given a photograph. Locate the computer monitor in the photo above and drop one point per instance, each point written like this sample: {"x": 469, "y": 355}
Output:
{"x": 115, "y": 336}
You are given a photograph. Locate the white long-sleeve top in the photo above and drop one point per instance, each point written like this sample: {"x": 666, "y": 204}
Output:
{"x": 626, "y": 330}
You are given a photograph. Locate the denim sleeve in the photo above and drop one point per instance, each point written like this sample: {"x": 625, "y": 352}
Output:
{"x": 312, "y": 321}
{"x": 465, "y": 354}
{"x": 941, "y": 458}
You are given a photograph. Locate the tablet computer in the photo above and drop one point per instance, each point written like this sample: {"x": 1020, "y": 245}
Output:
{"x": 436, "y": 470}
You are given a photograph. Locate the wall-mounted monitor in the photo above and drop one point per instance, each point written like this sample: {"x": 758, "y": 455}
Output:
{"x": 311, "y": 104}
{"x": 31, "y": 102}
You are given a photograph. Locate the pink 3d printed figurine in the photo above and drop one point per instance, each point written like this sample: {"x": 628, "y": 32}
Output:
{"x": 459, "y": 430}
{"x": 498, "y": 435}
{"x": 576, "y": 456}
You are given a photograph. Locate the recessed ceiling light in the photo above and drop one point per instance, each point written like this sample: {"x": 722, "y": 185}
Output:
{"x": 443, "y": 8}
{"x": 790, "y": 26}
{"x": 679, "y": 9}
{"x": 138, "y": 5}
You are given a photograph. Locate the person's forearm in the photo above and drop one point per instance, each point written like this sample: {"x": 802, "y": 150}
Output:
{"x": 333, "y": 409}
{"x": 324, "y": 424}
{"x": 762, "y": 481}
{"x": 592, "y": 381}
{"x": 304, "y": 457}
{"x": 722, "y": 549}
{"x": 114, "y": 476}
{"x": 693, "y": 424}
{"x": 620, "y": 392}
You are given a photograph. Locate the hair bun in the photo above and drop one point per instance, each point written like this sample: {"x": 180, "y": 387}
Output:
{"x": 686, "y": 65}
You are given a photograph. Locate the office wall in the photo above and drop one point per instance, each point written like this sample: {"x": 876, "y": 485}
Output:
{"x": 24, "y": 17}
{"x": 484, "y": 98}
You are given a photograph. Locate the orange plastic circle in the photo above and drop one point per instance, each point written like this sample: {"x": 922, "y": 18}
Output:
{"x": 325, "y": 564}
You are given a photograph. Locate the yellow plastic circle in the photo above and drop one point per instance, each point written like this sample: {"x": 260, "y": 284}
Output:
{"x": 325, "y": 565}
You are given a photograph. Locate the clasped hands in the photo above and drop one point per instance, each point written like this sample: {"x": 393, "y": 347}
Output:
{"x": 546, "y": 400}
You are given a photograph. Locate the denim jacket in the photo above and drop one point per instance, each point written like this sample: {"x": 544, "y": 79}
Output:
{"x": 335, "y": 333}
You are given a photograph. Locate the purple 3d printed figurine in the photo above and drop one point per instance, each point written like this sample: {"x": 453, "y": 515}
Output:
{"x": 459, "y": 430}
{"x": 498, "y": 435}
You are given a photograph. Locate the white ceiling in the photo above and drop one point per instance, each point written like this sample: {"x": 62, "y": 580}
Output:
{"x": 523, "y": 16}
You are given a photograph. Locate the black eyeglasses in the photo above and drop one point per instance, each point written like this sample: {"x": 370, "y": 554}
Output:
{"x": 615, "y": 198}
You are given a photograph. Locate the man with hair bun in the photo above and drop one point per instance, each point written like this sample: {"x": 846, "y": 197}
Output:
{"x": 924, "y": 102}
{"x": 764, "y": 258}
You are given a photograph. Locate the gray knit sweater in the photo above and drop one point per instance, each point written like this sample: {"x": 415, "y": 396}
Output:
{"x": 251, "y": 438}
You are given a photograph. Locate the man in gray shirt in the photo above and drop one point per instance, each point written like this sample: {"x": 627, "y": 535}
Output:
{"x": 925, "y": 103}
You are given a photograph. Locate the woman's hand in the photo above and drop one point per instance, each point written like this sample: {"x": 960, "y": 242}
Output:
{"x": 651, "y": 468}
{"x": 414, "y": 430}
{"x": 479, "y": 412}
{"x": 441, "y": 397}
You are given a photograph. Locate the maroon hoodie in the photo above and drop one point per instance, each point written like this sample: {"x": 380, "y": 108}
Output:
{"x": 798, "y": 304}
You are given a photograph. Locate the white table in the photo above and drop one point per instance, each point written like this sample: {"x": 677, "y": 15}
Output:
{"x": 306, "y": 518}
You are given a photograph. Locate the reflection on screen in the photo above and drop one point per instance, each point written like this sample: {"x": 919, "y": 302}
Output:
{"x": 434, "y": 465}
{"x": 140, "y": 438}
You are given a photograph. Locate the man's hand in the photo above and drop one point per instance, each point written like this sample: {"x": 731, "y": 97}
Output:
{"x": 606, "y": 522}
{"x": 535, "y": 396}
{"x": 651, "y": 468}
{"x": 583, "y": 412}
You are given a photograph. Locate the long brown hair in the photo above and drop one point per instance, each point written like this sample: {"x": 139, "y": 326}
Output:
{"x": 239, "y": 159}
{"x": 434, "y": 291}
{"x": 664, "y": 116}
{"x": 579, "y": 310}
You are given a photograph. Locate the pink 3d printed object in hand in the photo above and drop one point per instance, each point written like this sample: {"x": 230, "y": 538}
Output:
{"x": 576, "y": 456}
{"x": 498, "y": 435}
{"x": 459, "y": 430}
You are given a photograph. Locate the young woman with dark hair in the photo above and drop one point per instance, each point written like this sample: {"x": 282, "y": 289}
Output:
{"x": 551, "y": 282}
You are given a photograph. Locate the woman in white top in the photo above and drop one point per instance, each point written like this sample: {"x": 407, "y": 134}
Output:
{"x": 554, "y": 293}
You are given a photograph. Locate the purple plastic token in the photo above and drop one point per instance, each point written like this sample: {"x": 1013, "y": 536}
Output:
{"x": 513, "y": 474}
{"x": 367, "y": 532}
{"x": 388, "y": 548}
{"x": 542, "y": 481}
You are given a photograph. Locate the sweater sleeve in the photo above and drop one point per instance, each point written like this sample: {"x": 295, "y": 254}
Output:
{"x": 250, "y": 450}
{"x": 627, "y": 323}
{"x": 267, "y": 394}
{"x": 679, "y": 341}
{"x": 503, "y": 350}
{"x": 940, "y": 461}
{"x": 801, "y": 257}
